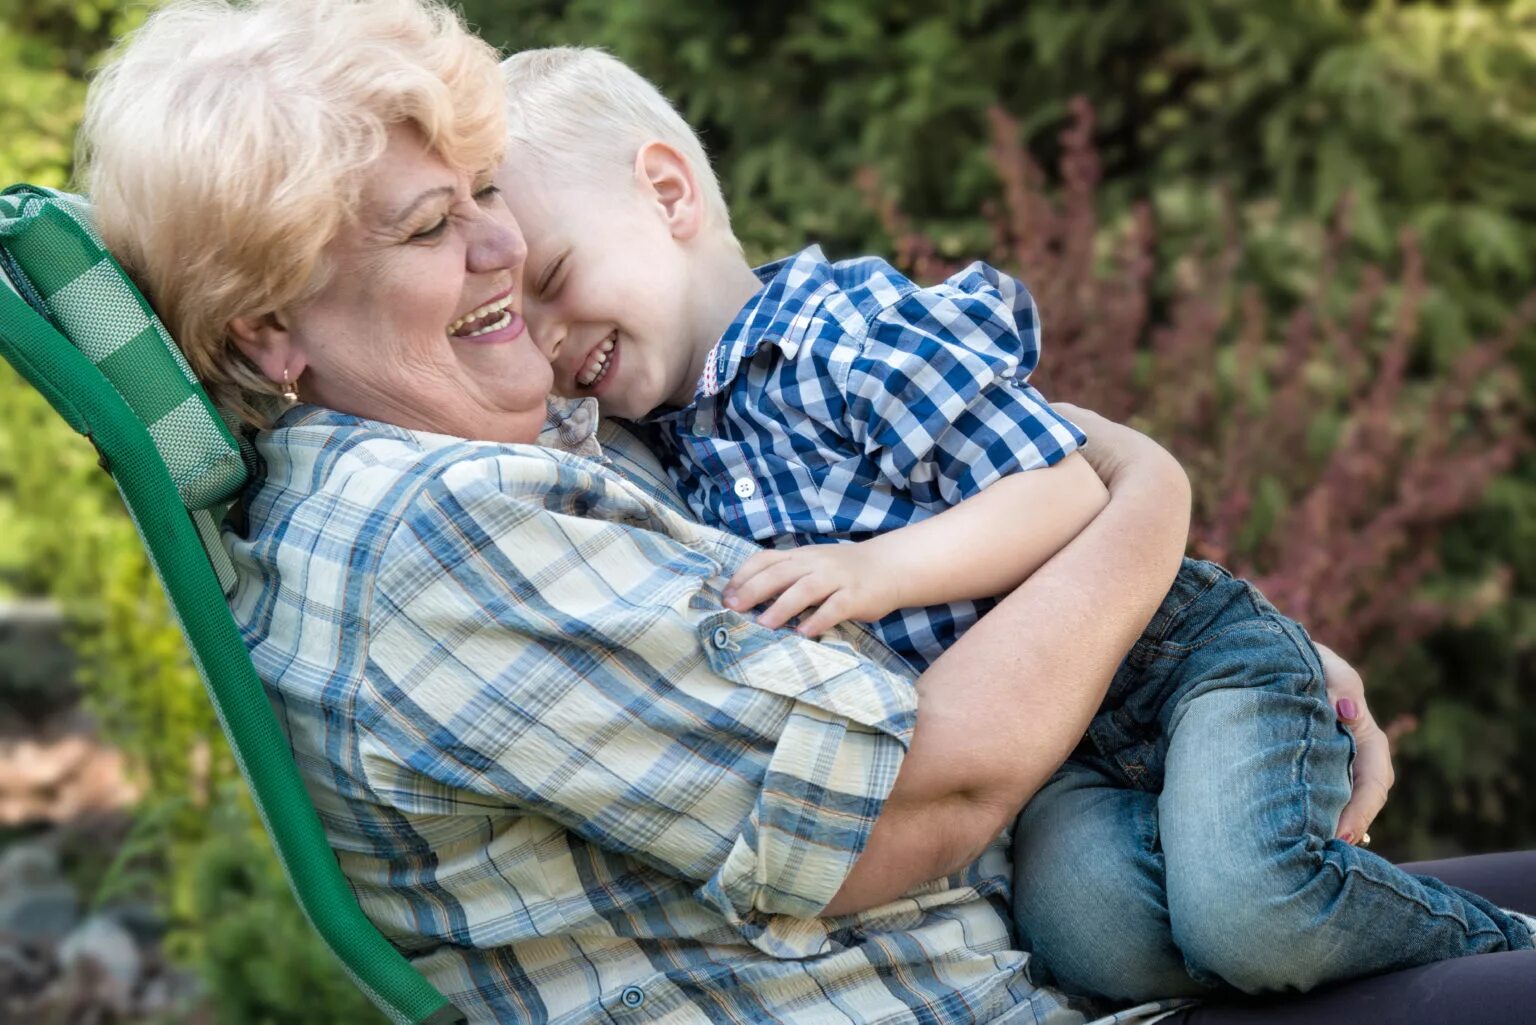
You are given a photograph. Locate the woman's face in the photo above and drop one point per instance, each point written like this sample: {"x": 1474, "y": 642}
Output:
{"x": 419, "y": 323}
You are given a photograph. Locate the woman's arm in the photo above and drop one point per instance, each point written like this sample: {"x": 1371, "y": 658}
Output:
{"x": 983, "y": 547}
{"x": 1002, "y": 709}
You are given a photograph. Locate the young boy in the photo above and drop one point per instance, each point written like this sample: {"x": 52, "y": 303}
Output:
{"x": 876, "y": 434}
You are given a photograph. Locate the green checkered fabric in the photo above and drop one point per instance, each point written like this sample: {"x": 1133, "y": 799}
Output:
{"x": 50, "y": 253}
{"x": 49, "y": 236}
{"x": 53, "y": 276}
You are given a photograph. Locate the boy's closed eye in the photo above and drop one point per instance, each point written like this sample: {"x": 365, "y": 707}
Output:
{"x": 553, "y": 278}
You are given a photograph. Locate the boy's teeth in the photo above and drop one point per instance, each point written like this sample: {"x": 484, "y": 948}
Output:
{"x": 596, "y": 364}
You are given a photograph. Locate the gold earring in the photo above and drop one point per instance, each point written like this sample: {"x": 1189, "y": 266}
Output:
{"x": 290, "y": 389}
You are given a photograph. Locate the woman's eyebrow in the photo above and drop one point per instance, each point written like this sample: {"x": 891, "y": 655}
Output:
{"x": 410, "y": 208}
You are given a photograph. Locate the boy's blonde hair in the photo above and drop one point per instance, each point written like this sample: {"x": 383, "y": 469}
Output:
{"x": 580, "y": 109}
{"x": 225, "y": 144}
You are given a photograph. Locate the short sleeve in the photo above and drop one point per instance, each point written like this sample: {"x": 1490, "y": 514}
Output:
{"x": 538, "y": 646}
{"x": 939, "y": 397}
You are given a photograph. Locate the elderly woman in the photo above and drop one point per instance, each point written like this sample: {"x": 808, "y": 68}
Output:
{"x": 560, "y": 775}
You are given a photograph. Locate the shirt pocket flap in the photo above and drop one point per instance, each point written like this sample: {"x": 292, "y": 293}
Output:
{"x": 825, "y": 674}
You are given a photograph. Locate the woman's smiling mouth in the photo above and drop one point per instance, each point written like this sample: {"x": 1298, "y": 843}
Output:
{"x": 493, "y": 316}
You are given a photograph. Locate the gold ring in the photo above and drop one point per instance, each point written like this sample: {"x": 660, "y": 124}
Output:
{"x": 1365, "y": 839}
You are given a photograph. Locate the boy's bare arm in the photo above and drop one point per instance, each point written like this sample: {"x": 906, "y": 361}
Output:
{"x": 982, "y": 548}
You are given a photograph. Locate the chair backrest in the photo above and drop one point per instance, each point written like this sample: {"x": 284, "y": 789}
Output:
{"x": 75, "y": 327}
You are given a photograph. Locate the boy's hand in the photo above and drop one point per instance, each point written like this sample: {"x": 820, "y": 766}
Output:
{"x": 842, "y": 579}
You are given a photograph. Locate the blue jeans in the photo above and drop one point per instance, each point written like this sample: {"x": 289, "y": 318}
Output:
{"x": 1186, "y": 848}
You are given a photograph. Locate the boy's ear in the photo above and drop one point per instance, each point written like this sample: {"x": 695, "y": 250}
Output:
{"x": 264, "y": 339}
{"x": 669, "y": 180}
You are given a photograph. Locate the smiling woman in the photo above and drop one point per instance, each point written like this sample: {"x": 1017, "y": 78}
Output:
{"x": 559, "y": 773}
{"x": 417, "y": 322}
{"x": 356, "y": 181}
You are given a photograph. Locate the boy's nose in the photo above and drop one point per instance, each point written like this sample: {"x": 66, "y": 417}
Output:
{"x": 547, "y": 335}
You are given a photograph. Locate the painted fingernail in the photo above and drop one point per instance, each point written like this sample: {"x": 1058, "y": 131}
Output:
{"x": 1347, "y": 709}
{"x": 1348, "y": 838}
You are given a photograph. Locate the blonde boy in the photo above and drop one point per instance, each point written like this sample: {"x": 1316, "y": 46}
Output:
{"x": 876, "y": 434}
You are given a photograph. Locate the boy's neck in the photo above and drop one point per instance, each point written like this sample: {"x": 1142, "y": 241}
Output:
{"x": 722, "y": 284}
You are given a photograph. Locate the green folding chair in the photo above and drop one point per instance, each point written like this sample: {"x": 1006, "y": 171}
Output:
{"x": 76, "y": 328}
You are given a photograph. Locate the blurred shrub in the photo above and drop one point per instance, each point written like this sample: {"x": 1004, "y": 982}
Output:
{"x": 63, "y": 534}
{"x": 1425, "y": 112}
{"x": 1320, "y": 469}
{"x": 1217, "y": 120}
{"x": 261, "y": 962}
{"x": 1230, "y": 133}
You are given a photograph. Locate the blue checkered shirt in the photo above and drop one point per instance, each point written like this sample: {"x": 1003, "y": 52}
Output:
{"x": 564, "y": 780}
{"x": 844, "y": 401}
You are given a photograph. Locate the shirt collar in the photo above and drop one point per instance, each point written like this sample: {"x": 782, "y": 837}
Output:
{"x": 570, "y": 425}
{"x": 778, "y": 314}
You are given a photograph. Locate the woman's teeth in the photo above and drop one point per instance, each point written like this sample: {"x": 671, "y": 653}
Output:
{"x": 501, "y": 320}
{"x": 493, "y": 316}
{"x": 597, "y": 363}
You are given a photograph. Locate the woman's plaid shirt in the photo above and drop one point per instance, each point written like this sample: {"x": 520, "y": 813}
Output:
{"x": 845, "y": 401}
{"x": 560, "y": 776}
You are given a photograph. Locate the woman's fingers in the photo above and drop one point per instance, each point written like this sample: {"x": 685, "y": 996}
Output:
{"x": 1374, "y": 774}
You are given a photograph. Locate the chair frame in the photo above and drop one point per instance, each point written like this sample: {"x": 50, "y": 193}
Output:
{"x": 92, "y": 406}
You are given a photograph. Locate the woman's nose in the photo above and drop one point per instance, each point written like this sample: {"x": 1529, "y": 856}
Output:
{"x": 496, "y": 244}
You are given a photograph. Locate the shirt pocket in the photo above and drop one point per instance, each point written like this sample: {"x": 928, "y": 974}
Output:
{"x": 827, "y": 675}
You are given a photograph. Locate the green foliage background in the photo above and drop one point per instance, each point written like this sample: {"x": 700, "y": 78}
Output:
{"x": 1423, "y": 112}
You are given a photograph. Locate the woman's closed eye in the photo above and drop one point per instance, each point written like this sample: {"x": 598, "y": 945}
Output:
{"x": 483, "y": 196}
{"x": 428, "y": 234}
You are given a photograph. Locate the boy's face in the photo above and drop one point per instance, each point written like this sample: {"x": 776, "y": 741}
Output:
{"x": 607, "y": 290}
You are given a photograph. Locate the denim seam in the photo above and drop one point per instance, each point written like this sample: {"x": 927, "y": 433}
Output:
{"x": 1364, "y": 877}
{"x": 1174, "y": 651}
{"x": 1358, "y": 872}
{"x": 1174, "y": 617}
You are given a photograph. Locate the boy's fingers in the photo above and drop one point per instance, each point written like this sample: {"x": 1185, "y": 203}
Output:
{"x": 827, "y": 615}
{"x": 752, "y": 567}
{"x": 764, "y": 584}
{"x": 801, "y": 595}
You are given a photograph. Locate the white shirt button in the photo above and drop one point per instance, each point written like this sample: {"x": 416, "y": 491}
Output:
{"x": 745, "y": 487}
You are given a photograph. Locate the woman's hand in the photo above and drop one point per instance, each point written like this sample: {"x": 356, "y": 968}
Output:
{"x": 1373, "y": 754}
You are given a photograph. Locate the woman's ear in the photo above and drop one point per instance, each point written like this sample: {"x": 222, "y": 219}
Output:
{"x": 669, "y": 181}
{"x": 265, "y": 341}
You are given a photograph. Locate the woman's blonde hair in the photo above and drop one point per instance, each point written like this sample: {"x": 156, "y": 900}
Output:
{"x": 224, "y": 146}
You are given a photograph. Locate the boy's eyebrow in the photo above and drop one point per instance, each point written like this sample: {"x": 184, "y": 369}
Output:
{"x": 410, "y": 208}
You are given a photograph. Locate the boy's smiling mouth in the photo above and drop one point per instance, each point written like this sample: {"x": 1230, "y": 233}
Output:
{"x": 599, "y": 362}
